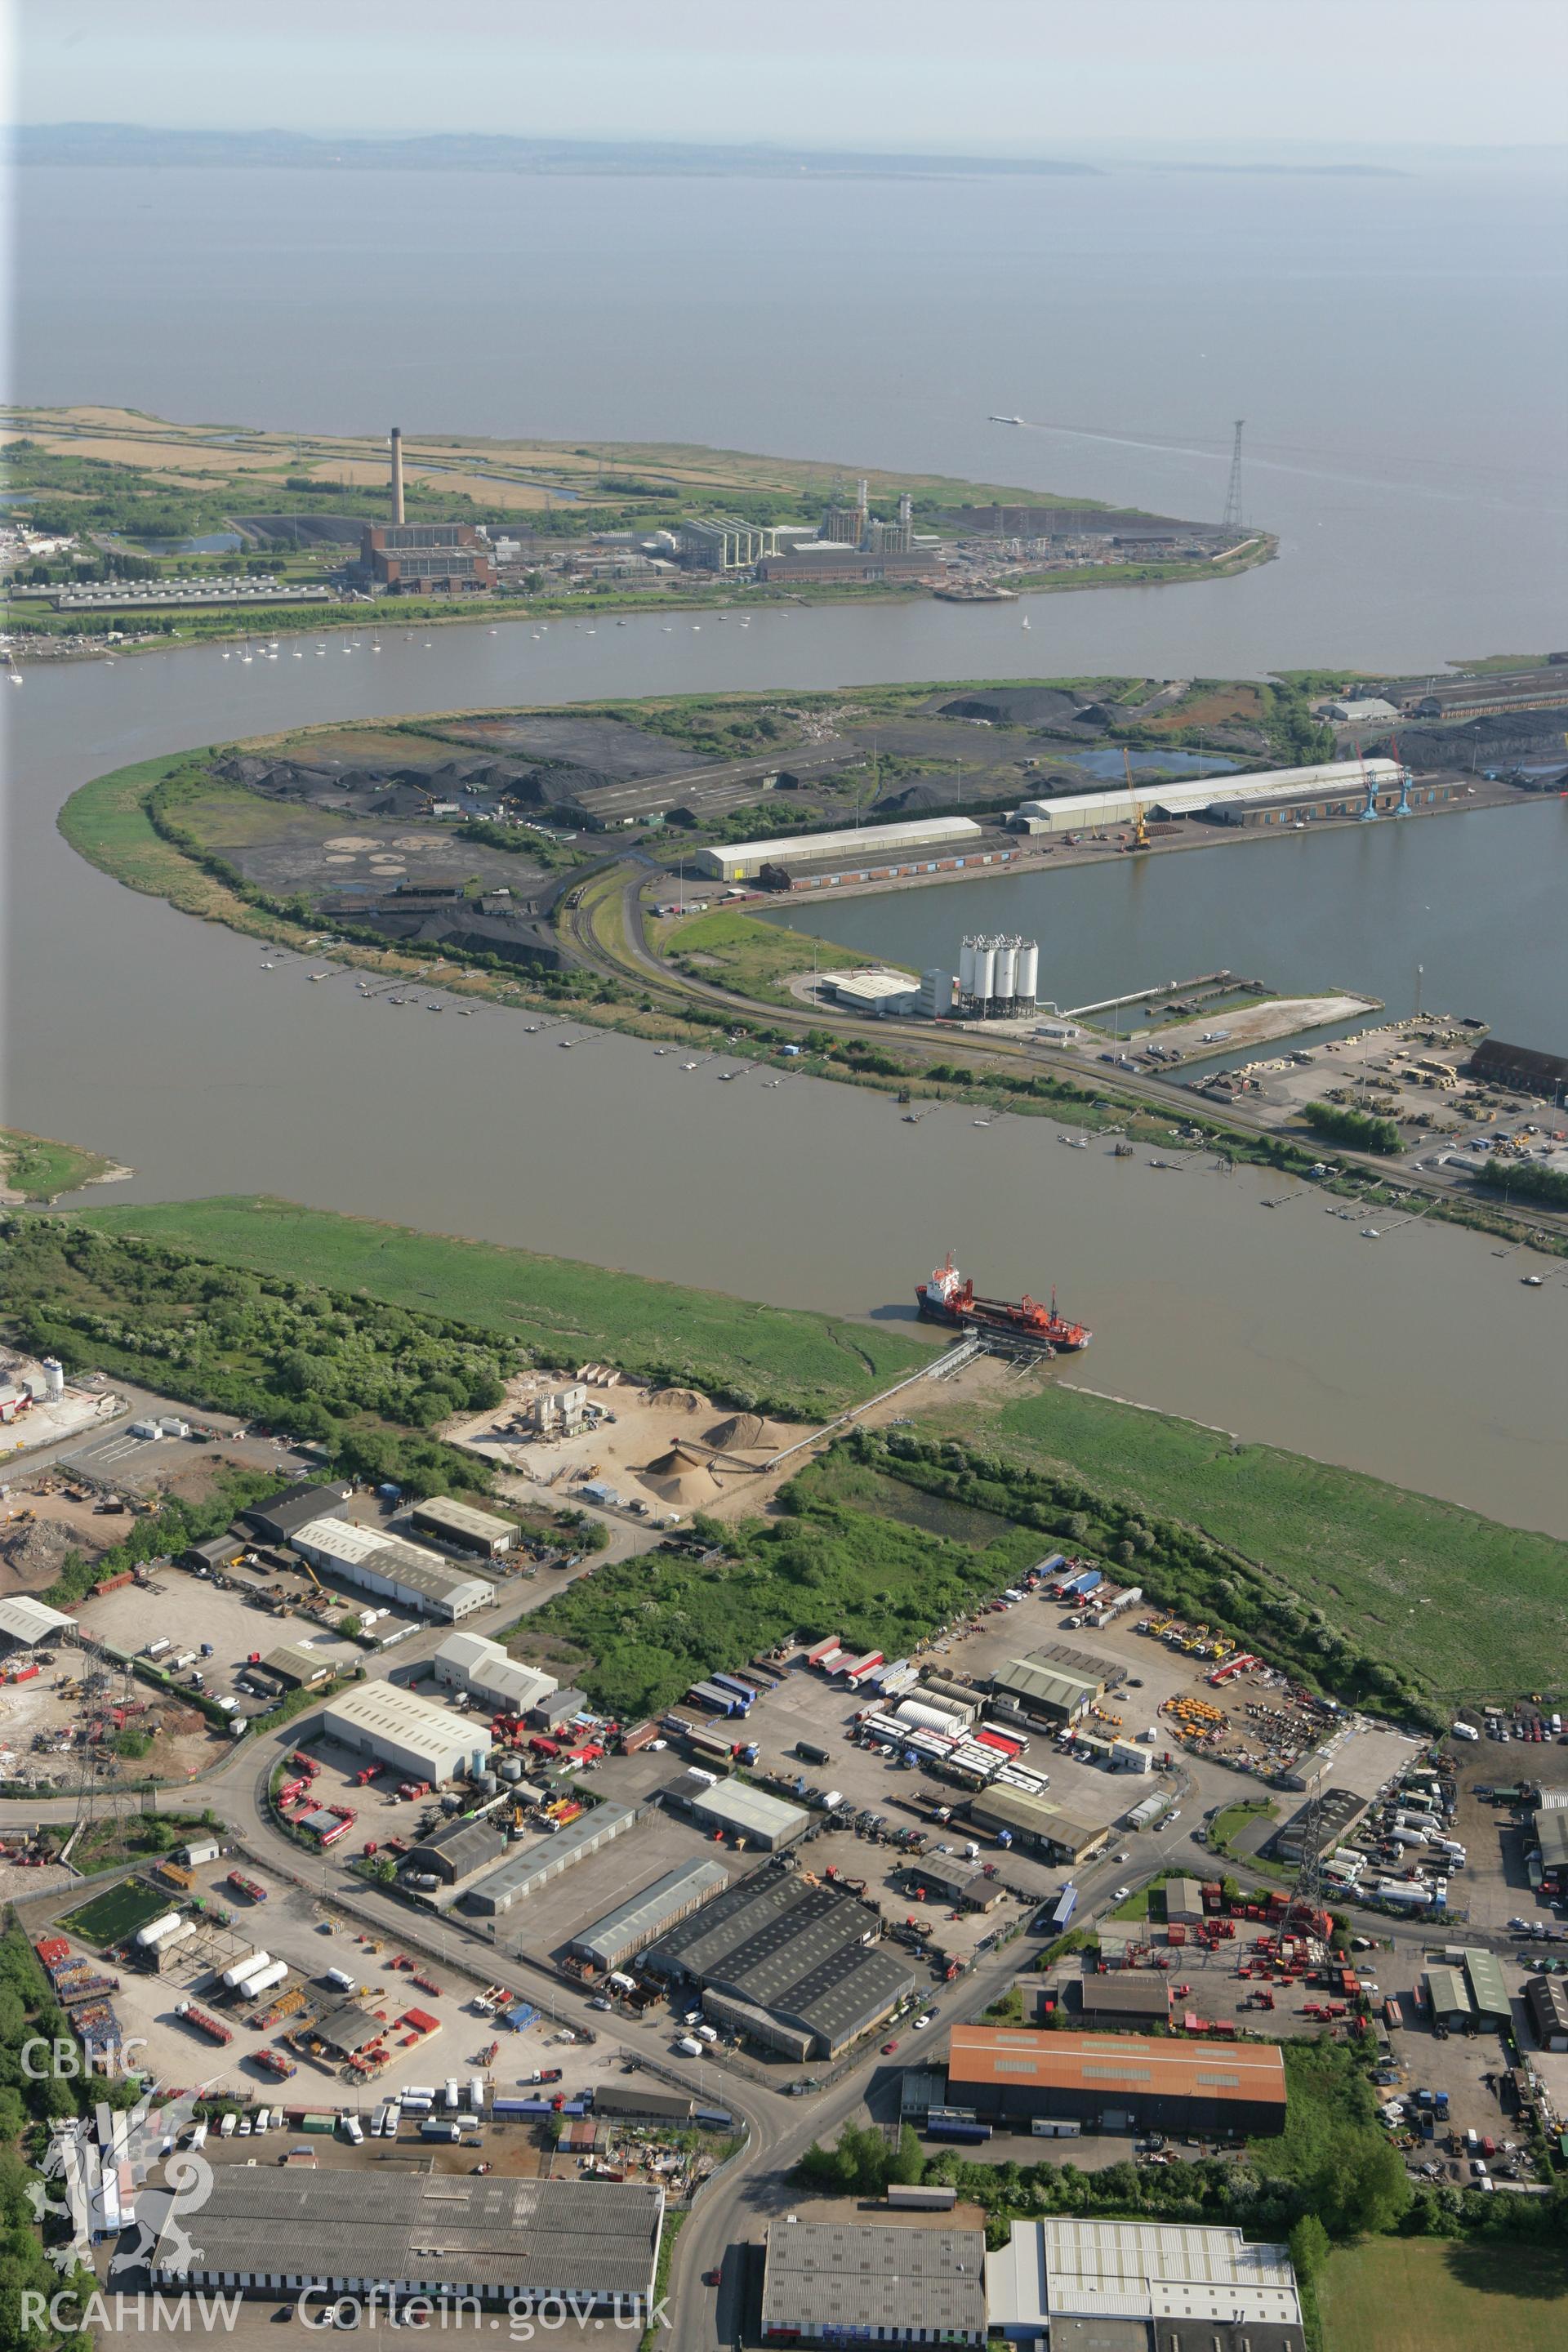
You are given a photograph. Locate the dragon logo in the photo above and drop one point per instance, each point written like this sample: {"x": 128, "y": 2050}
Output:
{"x": 158, "y": 2224}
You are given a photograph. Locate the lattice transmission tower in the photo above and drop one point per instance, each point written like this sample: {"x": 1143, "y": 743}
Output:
{"x": 1231, "y": 519}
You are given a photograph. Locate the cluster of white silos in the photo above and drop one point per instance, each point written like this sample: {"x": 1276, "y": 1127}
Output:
{"x": 997, "y": 976}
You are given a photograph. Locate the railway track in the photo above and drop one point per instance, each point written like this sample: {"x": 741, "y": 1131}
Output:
{"x": 634, "y": 963}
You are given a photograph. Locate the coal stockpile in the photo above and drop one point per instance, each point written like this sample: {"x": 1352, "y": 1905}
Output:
{"x": 1501, "y": 739}
{"x": 1020, "y": 706}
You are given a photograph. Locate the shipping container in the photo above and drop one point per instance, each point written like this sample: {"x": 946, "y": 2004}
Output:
{"x": 742, "y": 1691}
{"x": 716, "y": 1700}
{"x": 955, "y": 2128}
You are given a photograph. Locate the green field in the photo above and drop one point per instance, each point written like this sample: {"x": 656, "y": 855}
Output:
{"x": 1473, "y": 1606}
{"x": 565, "y": 1313}
{"x": 40, "y": 1169}
{"x": 637, "y": 1633}
{"x": 118, "y": 1911}
{"x": 755, "y": 959}
{"x": 1434, "y": 2295}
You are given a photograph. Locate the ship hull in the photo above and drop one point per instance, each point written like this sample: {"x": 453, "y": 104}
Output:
{"x": 999, "y": 1315}
{"x": 933, "y": 1309}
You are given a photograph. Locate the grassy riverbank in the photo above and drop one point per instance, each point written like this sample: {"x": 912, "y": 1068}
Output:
{"x": 36, "y": 1168}
{"x": 1472, "y": 1607}
{"x": 1372, "y": 1590}
{"x": 561, "y": 1312}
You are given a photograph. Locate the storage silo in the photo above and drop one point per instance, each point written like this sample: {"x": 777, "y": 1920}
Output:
{"x": 984, "y": 986}
{"x": 1004, "y": 968}
{"x": 966, "y": 968}
{"x": 1027, "y": 980}
{"x": 54, "y": 1380}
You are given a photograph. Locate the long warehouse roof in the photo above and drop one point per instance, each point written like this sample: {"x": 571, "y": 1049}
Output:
{"x": 1069, "y": 810}
{"x": 641, "y": 1917}
{"x": 557, "y": 2236}
{"x": 1136, "y": 2065}
{"x": 911, "y": 835}
{"x": 798, "y": 1951}
{"x": 351, "y": 1545}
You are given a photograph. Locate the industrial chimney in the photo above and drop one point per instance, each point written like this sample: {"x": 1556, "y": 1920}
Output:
{"x": 398, "y": 473}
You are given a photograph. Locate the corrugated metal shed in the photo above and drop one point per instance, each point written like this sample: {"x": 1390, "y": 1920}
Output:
{"x": 381, "y": 1563}
{"x": 734, "y": 1805}
{"x": 462, "y": 1524}
{"x": 29, "y": 1621}
{"x": 444, "y": 2231}
{"x": 895, "y": 2282}
{"x": 529, "y": 1867}
{"x": 637, "y": 1922}
{"x": 1488, "y": 1989}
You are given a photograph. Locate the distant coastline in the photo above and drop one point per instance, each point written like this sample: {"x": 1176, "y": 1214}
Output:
{"x": 83, "y": 144}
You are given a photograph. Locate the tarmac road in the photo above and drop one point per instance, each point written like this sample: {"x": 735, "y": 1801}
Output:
{"x": 757, "y": 2187}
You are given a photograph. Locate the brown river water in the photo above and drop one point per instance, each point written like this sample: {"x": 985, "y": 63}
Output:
{"x": 1419, "y": 1356}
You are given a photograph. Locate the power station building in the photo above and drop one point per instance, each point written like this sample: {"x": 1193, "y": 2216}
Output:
{"x": 1142, "y": 2287}
{"x": 427, "y": 558}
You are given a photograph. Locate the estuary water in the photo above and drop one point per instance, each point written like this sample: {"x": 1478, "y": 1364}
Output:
{"x": 169, "y": 1045}
{"x": 1396, "y": 346}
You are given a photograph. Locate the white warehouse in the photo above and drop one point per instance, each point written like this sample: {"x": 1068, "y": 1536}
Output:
{"x": 402, "y": 1572}
{"x": 741, "y": 861}
{"x": 385, "y": 1721}
{"x": 1081, "y": 812}
{"x": 468, "y": 1662}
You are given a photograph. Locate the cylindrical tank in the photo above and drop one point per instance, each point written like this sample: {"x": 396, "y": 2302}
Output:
{"x": 511, "y": 1767}
{"x": 244, "y": 1970}
{"x": 156, "y": 1930}
{"x": 54, "y": 1379}
{"x": 984, "y": 969}
{"x": 488, "y": 1784}
{"x": 966, "y": 968}
{"x": 1004, "y": 966}
{"x": 264, "y": 1979}
{"x": 1027, "y": 978}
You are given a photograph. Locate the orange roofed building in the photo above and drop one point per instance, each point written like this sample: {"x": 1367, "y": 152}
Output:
{"x": 1122, "y": 2081}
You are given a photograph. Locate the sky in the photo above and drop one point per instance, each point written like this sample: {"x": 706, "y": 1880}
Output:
{"x": 1023, "y": 77}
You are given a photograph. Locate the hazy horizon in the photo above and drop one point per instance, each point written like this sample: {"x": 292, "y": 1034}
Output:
{"x": 1029, "y": 77}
